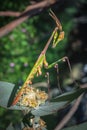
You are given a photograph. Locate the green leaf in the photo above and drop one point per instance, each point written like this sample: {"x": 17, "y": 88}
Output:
{"x": 48, "y": 108}
{"x": 82, "y": 126}
{"x": 6, "y": 90}
{"x": 69, "y": 96}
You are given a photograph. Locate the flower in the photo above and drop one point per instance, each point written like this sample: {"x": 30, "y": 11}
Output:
{"x": 12, "y": 64}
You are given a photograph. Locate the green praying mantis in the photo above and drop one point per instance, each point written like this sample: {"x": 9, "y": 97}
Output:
{"x": 56, "y": 36}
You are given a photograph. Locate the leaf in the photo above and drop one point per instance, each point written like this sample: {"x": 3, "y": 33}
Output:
{"x": 5, "y": 94}
{"x": 10, "y": 127}
{"x": 69, "y": 96}
{"x": 82, "y": 126}
{"x": 16, "y": 126}
{"x": 21, "y": 108}
{"x": 48, "y": 108}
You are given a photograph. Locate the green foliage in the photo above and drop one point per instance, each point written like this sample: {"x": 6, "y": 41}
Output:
{"x": 15, "y": 53}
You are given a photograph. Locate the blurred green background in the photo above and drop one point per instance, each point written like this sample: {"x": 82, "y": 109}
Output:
{"x": 21, "y": 47}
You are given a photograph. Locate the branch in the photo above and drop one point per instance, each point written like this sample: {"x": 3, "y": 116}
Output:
{"x": 29, "y": 12}
{"x": 10, "y": 13}
{"x": 70, "y": 113}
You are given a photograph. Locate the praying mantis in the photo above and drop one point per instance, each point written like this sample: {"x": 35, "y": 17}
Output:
{"x": 56, "y": 36}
